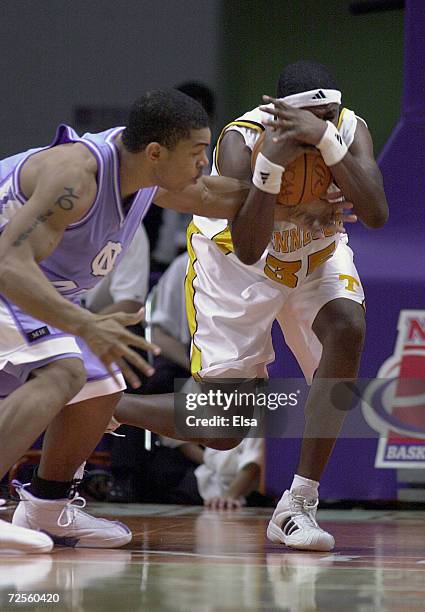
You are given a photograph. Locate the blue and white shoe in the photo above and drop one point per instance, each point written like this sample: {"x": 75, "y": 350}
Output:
{"x": 66, "y": 523}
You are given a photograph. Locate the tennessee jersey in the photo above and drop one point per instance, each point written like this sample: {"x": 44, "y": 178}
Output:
{"x": 292, "y": 253}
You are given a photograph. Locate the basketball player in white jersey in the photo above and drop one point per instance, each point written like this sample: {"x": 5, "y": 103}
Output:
{"x": 262, "y": 267}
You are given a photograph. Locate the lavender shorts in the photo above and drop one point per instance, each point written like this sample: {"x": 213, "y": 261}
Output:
{"x": 27, "y": 343}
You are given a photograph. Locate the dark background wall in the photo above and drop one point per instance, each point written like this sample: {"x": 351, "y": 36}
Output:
{"x": 364, "y": 53}
{"x": 57, "y": 54}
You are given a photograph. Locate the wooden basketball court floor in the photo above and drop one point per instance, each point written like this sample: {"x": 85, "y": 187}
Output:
{"x": 191, "y": 559}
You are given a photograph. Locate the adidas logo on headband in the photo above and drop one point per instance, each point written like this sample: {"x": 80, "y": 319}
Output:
{"x": 314, "y": 97}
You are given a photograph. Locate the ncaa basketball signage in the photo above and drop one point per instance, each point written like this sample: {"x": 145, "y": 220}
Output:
{"x": 394, "y": 403}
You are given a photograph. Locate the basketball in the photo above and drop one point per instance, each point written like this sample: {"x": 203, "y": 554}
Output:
{"x": 306, "y": 179}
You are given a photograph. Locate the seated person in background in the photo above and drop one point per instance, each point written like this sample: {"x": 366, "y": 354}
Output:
{"x": 126, "y": 288}
{"x": 130, "y": 461}
{"x": 129, "y": 458}
{"x": 170, "y": 330}
{"x": 219, "y": 480}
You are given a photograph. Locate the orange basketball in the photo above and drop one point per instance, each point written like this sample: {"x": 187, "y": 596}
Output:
{"x": 306, "y": 179}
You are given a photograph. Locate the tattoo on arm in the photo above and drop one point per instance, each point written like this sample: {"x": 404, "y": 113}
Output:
{"x": 64, "y": 201}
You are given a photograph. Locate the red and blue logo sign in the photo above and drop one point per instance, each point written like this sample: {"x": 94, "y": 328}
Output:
{"x": 394, "y": 403}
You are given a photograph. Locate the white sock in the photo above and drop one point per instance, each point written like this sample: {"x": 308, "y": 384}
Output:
{"x": 305, "y": 487}
{"x": 79, "y": 474}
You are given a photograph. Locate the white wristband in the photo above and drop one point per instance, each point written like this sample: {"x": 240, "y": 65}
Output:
{"x": 267, "y": 175}
{"x": 331, "y": 145}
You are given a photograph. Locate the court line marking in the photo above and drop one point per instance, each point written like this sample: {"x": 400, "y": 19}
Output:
{"x": 177, "y": 553}
{"x": 142, "y": 561}
{"x": 150, "y": 531}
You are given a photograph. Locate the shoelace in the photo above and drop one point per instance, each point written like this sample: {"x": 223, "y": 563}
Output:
{"x": 70, "y": 509}
{"x": 304, "y": 509}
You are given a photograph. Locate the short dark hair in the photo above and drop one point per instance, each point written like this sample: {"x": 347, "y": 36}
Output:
{"x": 304, "y": 75}
{"x": 200, "y": 92}
{"x": 164, "y": 116}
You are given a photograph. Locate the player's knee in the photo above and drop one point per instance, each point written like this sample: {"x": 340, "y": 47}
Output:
{"x": 222, "y": 443}
{"x": 69, "y": 375}
{"x": 75, "y": 375}
{"x": 348, "y": 332}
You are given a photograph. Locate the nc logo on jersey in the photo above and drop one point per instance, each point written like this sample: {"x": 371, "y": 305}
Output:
{"x": 104, "y": 261}
{"x": 394, "y": 403}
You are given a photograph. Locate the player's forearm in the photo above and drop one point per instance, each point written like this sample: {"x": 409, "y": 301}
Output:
{"x": 218, "y": 197}
{"x": 364, "y": 187}
{"x": 122, "y": 306}
{"x": 23, "y": 283}
{"x": 253, "y": 225}
{"x": 171, "y": 348}
{"x": 246, "y": 480}
{"x": 288, "y": 214}
{"x": 193, "y": 452}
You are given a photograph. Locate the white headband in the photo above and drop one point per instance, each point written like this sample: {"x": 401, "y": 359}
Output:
{"x": 314, "y": 97}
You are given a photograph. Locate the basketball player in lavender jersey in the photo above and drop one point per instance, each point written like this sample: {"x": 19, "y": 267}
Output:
{"x": 261, "y": 267}
{"x": 68, "y": 213}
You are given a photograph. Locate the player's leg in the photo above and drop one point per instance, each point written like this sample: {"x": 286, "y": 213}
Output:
{"x": 28, "y": 410}
{"x": 324, "y": 326}
{"x": 73, "y": 435}
{"x": 45, "y": 503}
{"x": 24, "y": 415}
{"x": 340, "y": 327}
{"x": 41, "y": 369}
{"x": 157, "y": 413}
{"x": 69, "y": 440}
{"x": 40, "y": 374}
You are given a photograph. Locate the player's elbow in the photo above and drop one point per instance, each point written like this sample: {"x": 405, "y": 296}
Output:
{"x": 378, "y": 218}
{"x": 379, "y": 222}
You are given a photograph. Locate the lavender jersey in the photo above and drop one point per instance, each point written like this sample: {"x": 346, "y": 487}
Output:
{"x": 93, "y": 246}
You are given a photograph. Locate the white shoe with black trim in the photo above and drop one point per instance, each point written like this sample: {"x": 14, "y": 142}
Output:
{"x": 66, "y": 523}
{"x": 294, "y": 524}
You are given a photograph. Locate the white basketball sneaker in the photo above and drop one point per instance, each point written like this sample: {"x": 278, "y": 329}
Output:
{"x": 294, "y": 523}
{"x": 19, "y": 539}
{"x": 65, "y": 522}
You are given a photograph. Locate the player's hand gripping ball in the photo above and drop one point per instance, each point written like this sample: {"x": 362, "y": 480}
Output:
{"x": 305, "y": 180}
